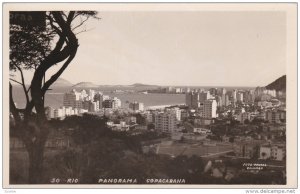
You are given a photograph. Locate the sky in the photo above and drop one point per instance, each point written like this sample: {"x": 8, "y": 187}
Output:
{"x": 187, "y": 48}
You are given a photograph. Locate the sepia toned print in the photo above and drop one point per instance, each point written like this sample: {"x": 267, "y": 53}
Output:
{"x": 176, "y": 95}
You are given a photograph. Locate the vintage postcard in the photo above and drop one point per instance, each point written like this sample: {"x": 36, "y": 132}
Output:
{"x": 150, "y": 95}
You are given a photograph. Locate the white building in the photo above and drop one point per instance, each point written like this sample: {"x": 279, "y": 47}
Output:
{"x": 59, "y": 113}
{"x": 177, "y": 112}
{"x": 118, "y": 127}
{"x": 112, "y": 103}
{"x": 203, "y": 96}
{"x": 240, "y": 97}
{"x": 234, "y": 95}
{"x": 98, "y": 97}
{"x": 195, "y": 99}
{"x": 209, "y": 109}
{"x": 149, "y": 117}
{"x": 202, "y": 131}
{"x": 274, "y": 152}
{"x": 136, "y": 106}
{"x": 178, "y": 90}
{"x": 49, "y": 111}
{"x": 165, "y": 121}
{"x": 192, "y": 100}
{"x": 91, "y": 94}
{"x": 83, "y": 94}
{"x": 62, "y": 112}
{"x": 116, "y": 102}
{"x": 72, "y": 99}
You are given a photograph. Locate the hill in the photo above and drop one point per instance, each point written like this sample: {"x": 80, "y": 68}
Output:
{"x": 85, "y": 85}
{"x": 142, "y": 85}
{"x": 278, "y": 85}
{"x": 60, "y": 82}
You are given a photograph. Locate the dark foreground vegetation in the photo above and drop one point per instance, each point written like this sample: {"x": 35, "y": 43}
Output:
{"x": 96, "y": 152}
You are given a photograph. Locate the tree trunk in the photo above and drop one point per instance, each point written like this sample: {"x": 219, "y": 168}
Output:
{"x": 35, "y": 144}
{"x": 35, "y": 171}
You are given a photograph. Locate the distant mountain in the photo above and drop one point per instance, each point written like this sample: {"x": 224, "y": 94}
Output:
{"x": 142, "y": 85}
{"x": 60, "y": 82}
{"x": 85, "y": 85}
{"x": 278, "y": 85}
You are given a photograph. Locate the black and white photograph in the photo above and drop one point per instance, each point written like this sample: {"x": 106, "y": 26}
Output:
{"x": 150, "y": 95}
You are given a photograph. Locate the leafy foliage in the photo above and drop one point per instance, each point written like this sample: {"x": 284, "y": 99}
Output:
{"x": 28, "y": 46}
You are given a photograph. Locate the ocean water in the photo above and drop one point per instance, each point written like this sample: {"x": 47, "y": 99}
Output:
{"x": 54, "y": 98}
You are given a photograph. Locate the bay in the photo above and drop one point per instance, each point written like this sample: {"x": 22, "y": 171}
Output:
{"x": 54, "y": 97}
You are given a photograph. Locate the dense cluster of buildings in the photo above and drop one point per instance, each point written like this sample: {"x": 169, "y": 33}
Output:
{"x": 252, "y": 123}
{"x": 259, "y": 113}
{"x": 63, "y": 111}
{"x": 76, "y": 103}
{"x": 91, "y": 101}
{"x": 260, "y": 95}
{"x": 263, "y": 109}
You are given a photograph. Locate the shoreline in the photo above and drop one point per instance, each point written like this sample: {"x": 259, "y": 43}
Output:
{"x": 161, "y": 106}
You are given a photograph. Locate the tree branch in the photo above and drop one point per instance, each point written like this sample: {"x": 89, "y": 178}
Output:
{"x": 83, "y": 31}
{"x": 23, "y": 83}
{"x": 58, "y": 73}
{"x": 13, "y": 108}
{"x": 56, "y": 29}
{"x": 81, "y": 23}
{"x": 56, "y": 56}
{"x": 28, "y": 89}
{"x": 15, "y": 81}
{"x": 70, "y": 17}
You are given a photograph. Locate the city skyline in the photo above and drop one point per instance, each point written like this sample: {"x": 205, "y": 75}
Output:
{"x": 196, "y": 49}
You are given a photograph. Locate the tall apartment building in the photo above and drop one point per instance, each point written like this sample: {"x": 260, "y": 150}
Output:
{"x": 209, "y": 109}
{"x": 149, "y": 117}
{"x": 72, "y": 99}
{"x": 203, "y": 96}
{"x": 249, "y": 96}
{"x": 240, "y": 97}
{"x": 225, "y": 100}
{"x": 221, "y": 91}
{"x": 220, "y": 102}
{"x": 98, "y": 97}
{"x": 259, "y": 91}
{"x": 192, "y": 99}
{"x": 234, "y": 96}
{"x": 116, "y": 102}
{"x": 91, "y": 106}
{"x": 165, "y": 121}
{"x": 107, "y": 103}
{"x": 91, "y": 94}
{"x": 195, "y": 99}
{"x": 176, "y": 111}
{"x": 112, "y": 103}
{"x": 136, "y": 106}
{"x": 275, "y": 116}
{"x": 213, "y": 91}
